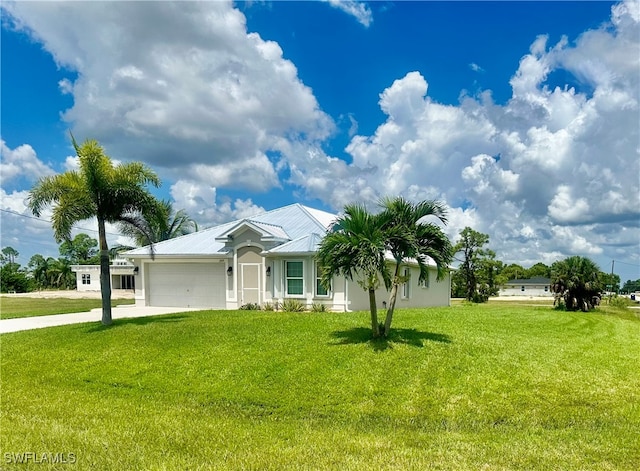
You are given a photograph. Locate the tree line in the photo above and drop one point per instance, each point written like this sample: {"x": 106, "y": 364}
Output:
{"x": 480, "y": 275}
{"x": 47, "y": 272}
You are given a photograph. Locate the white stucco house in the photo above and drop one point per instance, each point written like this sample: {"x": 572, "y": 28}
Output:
{"x": 88, "y": 276}
{"x": 263, "y": 259}
{"x": 535, "y": 287}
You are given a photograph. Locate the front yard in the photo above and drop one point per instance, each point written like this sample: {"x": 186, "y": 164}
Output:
{"x": 467, "y": 387}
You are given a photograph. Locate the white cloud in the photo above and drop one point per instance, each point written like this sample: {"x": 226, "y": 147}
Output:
{"x": 21, "y": 162}
{"x": 23, "y": 232}
{"x": 200, "y": 202}
{"x": 566, "y": 208}
{"x": 359, "y": 10}
{"x": 553, "y": 172}
{"x": 181, "y": 85}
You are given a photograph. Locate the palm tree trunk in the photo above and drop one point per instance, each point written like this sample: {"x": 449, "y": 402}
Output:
{"x": 375, "y": 328}
{"x": 105, "y": 274}
{"x": 392, "y": 301}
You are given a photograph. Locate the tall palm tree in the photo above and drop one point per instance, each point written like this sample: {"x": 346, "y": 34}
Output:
{"x": 356, "y": 246}
{"x": 161, "y": 222}
{"x": 38, "y": 265}
{"x": 110, "y": 193}
{"x": 409, "y": 237}
{"x": 576, "y": 281}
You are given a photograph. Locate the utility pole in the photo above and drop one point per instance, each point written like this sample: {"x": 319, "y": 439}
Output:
{"x": 613, "y": 262}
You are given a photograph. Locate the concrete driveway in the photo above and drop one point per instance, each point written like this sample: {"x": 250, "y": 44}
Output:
{"x": 95, "y": 315}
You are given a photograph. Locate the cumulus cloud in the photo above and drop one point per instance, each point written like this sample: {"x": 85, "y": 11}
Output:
{"x": 176, "y": 85}
{"x": 551, "y": 172}
{"x": 547, "y": 174}
{"x": 201, "y": 204}
{"x": 21, "y": 162}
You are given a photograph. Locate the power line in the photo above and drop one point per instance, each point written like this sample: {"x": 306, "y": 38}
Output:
{"x": 626, "y": 263}
{"x": 9, "y": 211}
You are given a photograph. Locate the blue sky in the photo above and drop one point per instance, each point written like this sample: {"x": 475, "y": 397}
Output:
{"x": 522, "y": 116}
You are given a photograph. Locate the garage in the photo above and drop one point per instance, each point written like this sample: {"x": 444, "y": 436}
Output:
{"x": 187, "y": 285}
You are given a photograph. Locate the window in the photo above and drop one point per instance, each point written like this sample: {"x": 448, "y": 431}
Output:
{"x": 321, "y": 291}
{"x": 294, "y": 274}
{"x": 546, "y": 289}
{"x": 86, "y": 279}
{"x": 424, "y": 283}
{"x": 522, "y": 288}
{"x": 405, "y": 285}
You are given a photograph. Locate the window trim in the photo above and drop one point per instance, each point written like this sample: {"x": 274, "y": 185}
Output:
{"x": 406, "y": 286}
{"x": 425, "y": 284}
{"x": 317, "y": 284}
{"x": 287, "y": 278}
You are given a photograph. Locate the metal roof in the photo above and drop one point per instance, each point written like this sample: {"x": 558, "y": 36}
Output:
{"x": 304, "y": 245}
{"x": 291, "y": 223}
{"x": 266, "y": 231}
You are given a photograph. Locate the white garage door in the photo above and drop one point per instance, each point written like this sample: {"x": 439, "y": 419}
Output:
{"x": 187, "y": 285}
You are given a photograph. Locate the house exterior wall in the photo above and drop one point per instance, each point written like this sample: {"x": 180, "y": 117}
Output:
{"x": 433, "y": 293}
{"x": 280, "y": 283}
{"x": 344, "y": 295}
{"x": 529, "y": 290}
{"x": 87, "y": 277}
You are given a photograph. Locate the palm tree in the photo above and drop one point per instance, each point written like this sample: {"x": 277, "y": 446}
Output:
{"x": 410, "y": 238}
{"x": 576, "y": 281}
{"x": 59, "y": 274}
{"x": 38, "y": 265}
{"x": 97, "y": 189}
{"x": 9, "y": 255}
{"x": 159, "y": 223}
{"x": 356, "y": 246}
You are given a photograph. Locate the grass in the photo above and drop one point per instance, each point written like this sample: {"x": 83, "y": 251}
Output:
{"x": 13, "y": 307}
{"x": 468, "y": 387}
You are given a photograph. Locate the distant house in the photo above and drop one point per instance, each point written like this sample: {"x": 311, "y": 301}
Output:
{"x": 537, "y": 286}
{"x": 88, "y": 276}
{"x": 267, "y": 258}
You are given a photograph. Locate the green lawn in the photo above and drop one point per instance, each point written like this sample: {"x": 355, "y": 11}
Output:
{"x": 12, "y": 307}
{"x": 468, "y": 387}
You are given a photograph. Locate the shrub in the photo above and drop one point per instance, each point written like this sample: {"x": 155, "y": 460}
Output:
{"x": 268, "y": 307}
{"x": 292, "y": 305}
{"x": 14, "y": 280}
{"x": 319, "y": 307}
{"x": 620, "y": 302}
{"x": 250, "y": 307}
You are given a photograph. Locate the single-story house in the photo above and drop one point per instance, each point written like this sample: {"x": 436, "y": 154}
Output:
{"x": 121, "y": 270}
{"x": 267, "y": 258}
{"x": 538, "y": 286}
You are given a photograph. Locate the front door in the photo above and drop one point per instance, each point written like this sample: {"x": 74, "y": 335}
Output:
{"x": 250, "y": 283}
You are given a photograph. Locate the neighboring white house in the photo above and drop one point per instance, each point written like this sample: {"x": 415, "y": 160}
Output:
{"x": 122, "y": 275}
{"x": 263, "y": 259}
{"x": 537, "y": 286}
